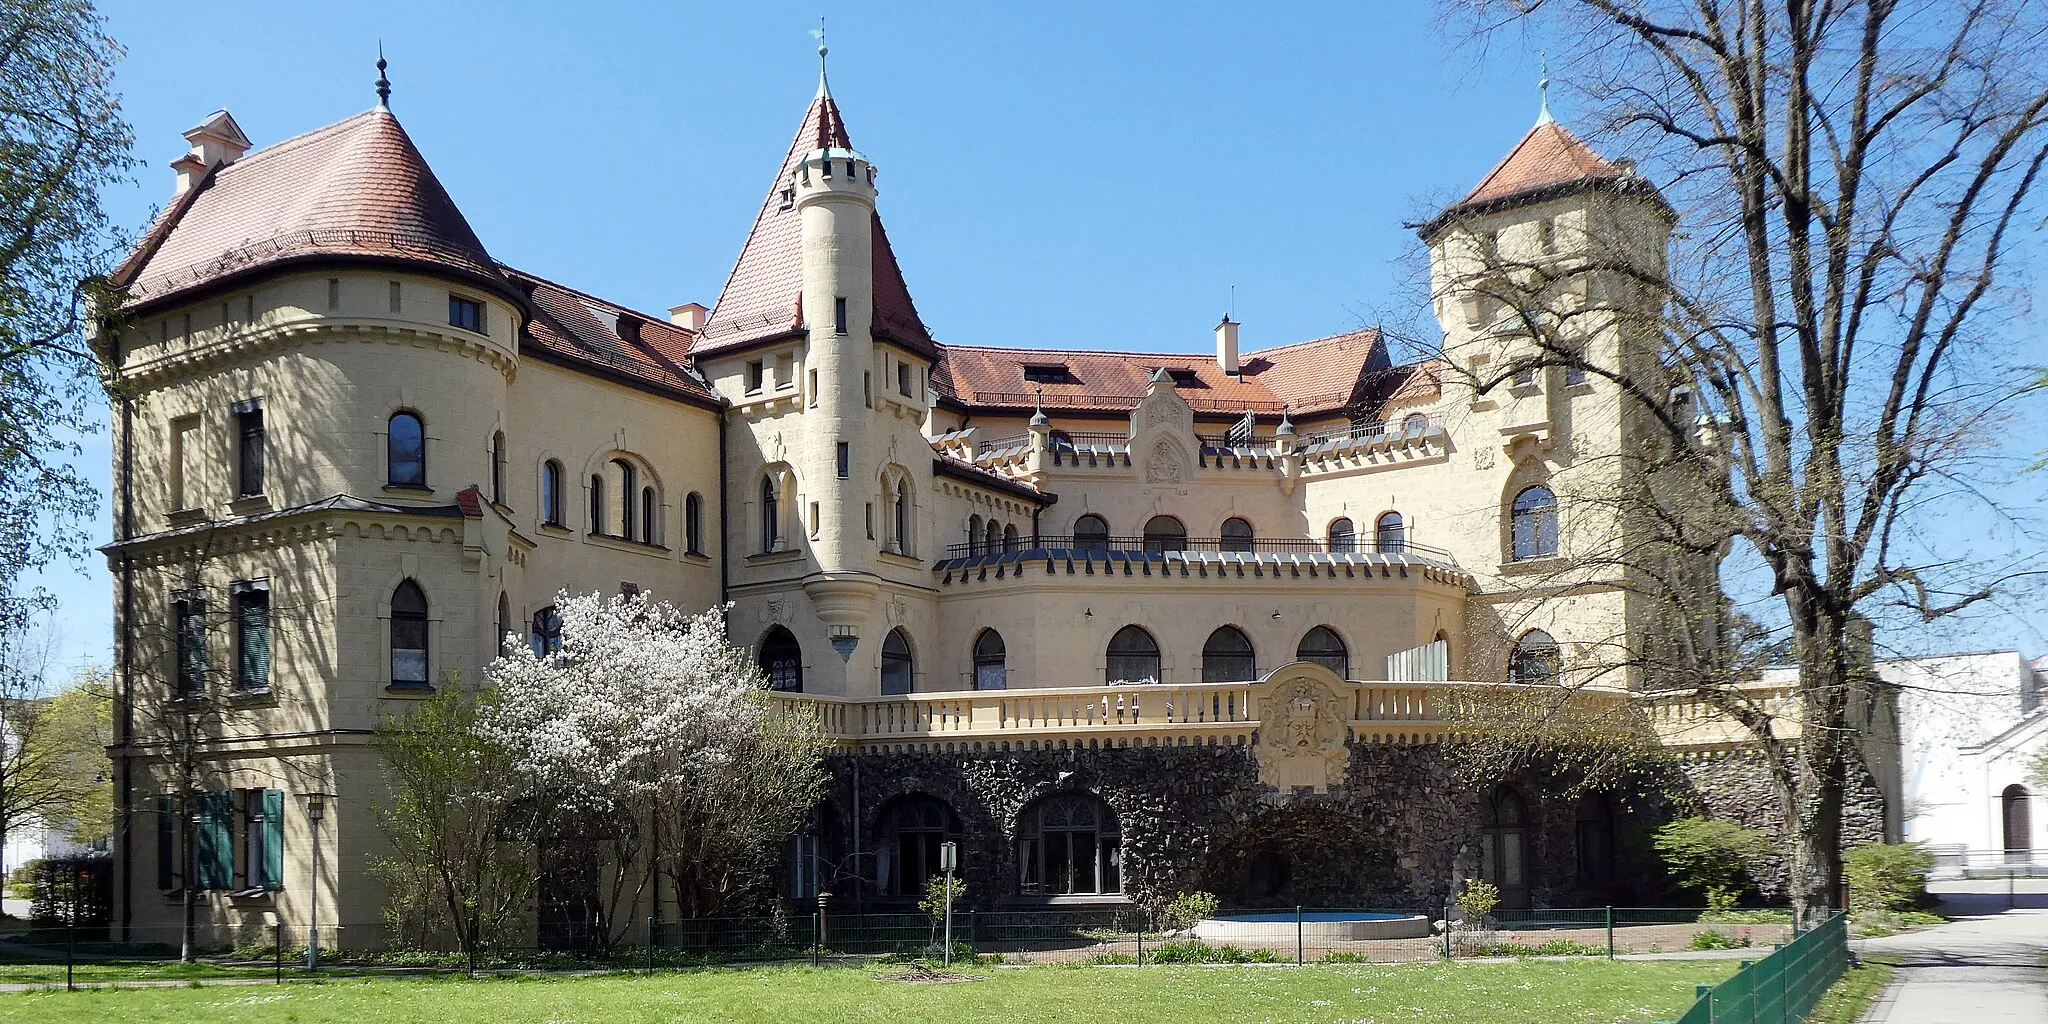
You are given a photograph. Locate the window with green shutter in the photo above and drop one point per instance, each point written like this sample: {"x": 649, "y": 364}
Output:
{"x": 189, "y": 610}
{"x": 273, "y": 839}
{"x": 252, "y": 634}
{"x": 166, "y": 843}
{"x": 217, "y": 840}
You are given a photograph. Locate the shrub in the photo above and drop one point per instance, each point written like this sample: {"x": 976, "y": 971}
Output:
{"x": 1887, "y": 876}
{"x": 1710, "y": 856}
{"x": 1196, "y": 952}
{"x": 1711, "y": 939}
{"x": 1188, "y": 908}
{"x": 1478, "y": 900}
{"x": 934, "y": 903}
{"x": 1552, "y": 947}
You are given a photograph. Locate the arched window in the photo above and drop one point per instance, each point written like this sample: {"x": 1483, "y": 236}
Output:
{"x": 1237, "y": 535}
{"x": 992, "y": 541}
{"x": 1503, "y": 841}
{"x": 1091, "y": 533}
{"x": 973, "y": 535}
{"x": 1390, "y": 534}
{"x": 771, "y": 515}
{"x": 551, "y": 493}
{"x": 693, "y": 523}
{"x": 547, "y": 632}
{"x": 1009, "y": 536}
{"x": 2016, "y": 817}
{"x": 1227, "y": 657}
{"x": 498, "y": 467}
{"x": 1534, "y": 660}
{"x": 896, "y": 664}
{"x": 782, "y": 658}
{"x": 1060, "y": 440}
{"x": 597, "y": 516}
{"x": 990, "y": 670}
{"x": 408, "y": 635}
{"x": 1414, "y": 424}
{"x": 1595, "y": 832}
{"x": 406, "y": 451}
{"x": 1068, "y": 844}
{"x": 912, "y": 829}
{"x": 647, "y": 515}
{"x": 1133, "y": 657}
{"x": 1343, "y": 537}
{"x": 627, "y": 492}
{"x": 504, "y": 618}
{"x": 1533, "y": 523}
{"x": 1165, "y": 533}
{"x": 901, "y": 517}
{"x": 1322, "y": 646}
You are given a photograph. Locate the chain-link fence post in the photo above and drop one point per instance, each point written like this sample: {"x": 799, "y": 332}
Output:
{"x": 70, "y": 949}
{"x": 1299, "y": 954}
{"x": 650, "y": 946}
{"x": 277, "y": 949}
{"x": 1447, "y": 931}
{"x": 1610, "y": 933}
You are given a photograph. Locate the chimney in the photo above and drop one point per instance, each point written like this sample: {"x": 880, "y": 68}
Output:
{"x": 216, "y": 142}
{"x": 689, "y": 316}
{"x": 1226, "y": 345}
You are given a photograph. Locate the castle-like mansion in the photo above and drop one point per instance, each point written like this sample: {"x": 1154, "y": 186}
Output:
{"x": 1119, "y": 623}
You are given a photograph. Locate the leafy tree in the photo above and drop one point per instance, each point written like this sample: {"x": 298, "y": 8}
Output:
{"x": 1817, "y": 369}
{"x": 657, "y": 740}
{"x": 1710, "y": 855}
{"x": 454, "y": 872}
{"x": 78, "y": 726}
{"x": 62, "y": 144}
{"x": 45, "y": 775}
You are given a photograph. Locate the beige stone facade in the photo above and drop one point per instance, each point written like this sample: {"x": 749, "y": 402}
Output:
{"x": 831, "y": 473}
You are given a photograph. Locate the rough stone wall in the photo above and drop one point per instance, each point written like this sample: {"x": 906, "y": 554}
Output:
{"x": 1737, "y": 785}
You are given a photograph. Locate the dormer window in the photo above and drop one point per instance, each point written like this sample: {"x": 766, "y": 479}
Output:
{"x": 1184, "y": 377}
{"x": 467, "y": 314}
{"x": 1049, "y": 374}
{"x": 788, "y": 199}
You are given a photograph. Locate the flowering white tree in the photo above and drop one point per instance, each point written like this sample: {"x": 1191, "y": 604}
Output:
{"x": 650, "y": 736}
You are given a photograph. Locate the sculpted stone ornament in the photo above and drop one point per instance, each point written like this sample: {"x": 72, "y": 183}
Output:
{"x": 1301, "y": 735}
{"x": 1163, "y": 465}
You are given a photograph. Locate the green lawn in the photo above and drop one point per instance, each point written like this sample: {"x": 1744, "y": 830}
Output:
{"x": 1516, "y": 993}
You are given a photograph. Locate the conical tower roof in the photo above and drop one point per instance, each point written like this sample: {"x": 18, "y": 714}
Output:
{"x": 356, "y": 189}
{"x": 1548, "y": 162}
{"x": 763, "y": 296}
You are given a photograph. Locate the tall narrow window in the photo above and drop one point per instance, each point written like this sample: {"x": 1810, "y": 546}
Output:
{"x": 406, "y": 451}
{"x": 867, "y": 389}
{"x": 397, "y": 294}
{"x": 551, "y": 493}
{"x": 845, "y": 461}
{"x": 1091, "y": 533}
{"x": 993, "y": 540}
{"x": 627, "y": 492}
{"x": 1133, "y": 657}
{"x": 647, "y": 514}
{"x": 1533, "y": 523}
{"x": 597, "y": 516}
{"x": 902, "y": 516}
{"x": 1228, "y": 658}
{"x": 839, "y": 315}
{"x": 1237, "y": 535}
{"x": 782, "y": 658}
{"x": 754, "y": 376}
{"x": 188, "y": 611}
{"x": 252, "y": 634}
{"x": 1343, "y": 537}
{"x": 1594, "y": 830}
{"x": 1390, "y": 534}
{"x": 498, "y": 467}
{"x": 333, "y": 294}
{"x": 504, "y": 620}
{"x": 771, "y": 515}
{"x": 1322, "y": 646}
{"x": 903, "y": 379}
{"x": 263, "y": 840}
{"x": 974, "y": 535}
{"x": 693, "y": 524}
{"x": 408, "y": 635}
{"x": 249, "y": 453}
{"x": 1534, "y": 659}
{"x": 546, "y": 637}
{"x": 896, "y": 663}
{"x": 1009, "y": 537}
{"x": 990, "y": 669}
{"x": 1503, "y": 844}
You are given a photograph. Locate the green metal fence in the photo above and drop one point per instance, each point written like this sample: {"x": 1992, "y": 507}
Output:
{"x": 1783, "y": 987}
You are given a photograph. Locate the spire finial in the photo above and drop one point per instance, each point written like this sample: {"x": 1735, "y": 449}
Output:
{"x": 819, "y": 34}
{"x": 383, "y": 83}
{"x": 1543, "y": 90}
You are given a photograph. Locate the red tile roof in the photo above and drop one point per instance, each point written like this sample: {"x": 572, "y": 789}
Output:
{"x": 354, "y": 189}
{"x": 588, "y": 333}
{"x": 1548, "y": 155}
{"x": 762, "y": 297}
{"x": 1306, "y": 378}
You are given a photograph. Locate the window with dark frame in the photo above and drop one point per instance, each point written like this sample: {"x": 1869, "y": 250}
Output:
{"x": 903, "y": 379}
{"x": 1049, "y": 374}
{"x": 551, "y": 493}
{"x": 693, "y": 524}
{"x": 771, "y": 515}
{"x": 406, "y": 454}
{"x": 1322, "y": 646}
{"x": 845, "y": 460}
{"x": 597, "y": 516}
{"x": 1068, "y": 844}
{"x": 754, "y": 376}
{"x": 251, "y": 600}
{"x": 1227, "y": 657}
{"x": 896, "y": 663}
{"x": 647, "y": 515}
{"x": 990, "y": 662}
{"x": 467, "y": 314}
{"x": 839, "y": 315}
{"x": 408, "y": 635}
{"x": 498, "y": 467}
{"x": 782, "y": 658}
{"x": 1532, "y": 523}
{"x": 249, "y": 447}
{"x": 1133, "y": 657}
{"x": 188, "y": 615}
{"x": 546, "y": 636}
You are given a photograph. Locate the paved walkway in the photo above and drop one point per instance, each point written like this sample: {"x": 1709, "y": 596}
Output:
{"x": 1988, "y": 966}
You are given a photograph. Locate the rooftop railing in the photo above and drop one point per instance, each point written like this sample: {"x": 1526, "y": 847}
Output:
{"x": 1103, "y": 544}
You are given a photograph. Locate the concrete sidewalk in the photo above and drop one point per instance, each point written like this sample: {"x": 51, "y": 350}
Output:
{"x": 1988, "y": 966}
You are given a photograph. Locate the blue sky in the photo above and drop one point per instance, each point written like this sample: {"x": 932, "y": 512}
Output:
{"x": 1078, "y": 174}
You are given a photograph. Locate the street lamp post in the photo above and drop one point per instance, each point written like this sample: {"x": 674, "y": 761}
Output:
{"x": 949, "y": 862}
{"x": 316, "y": 810}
